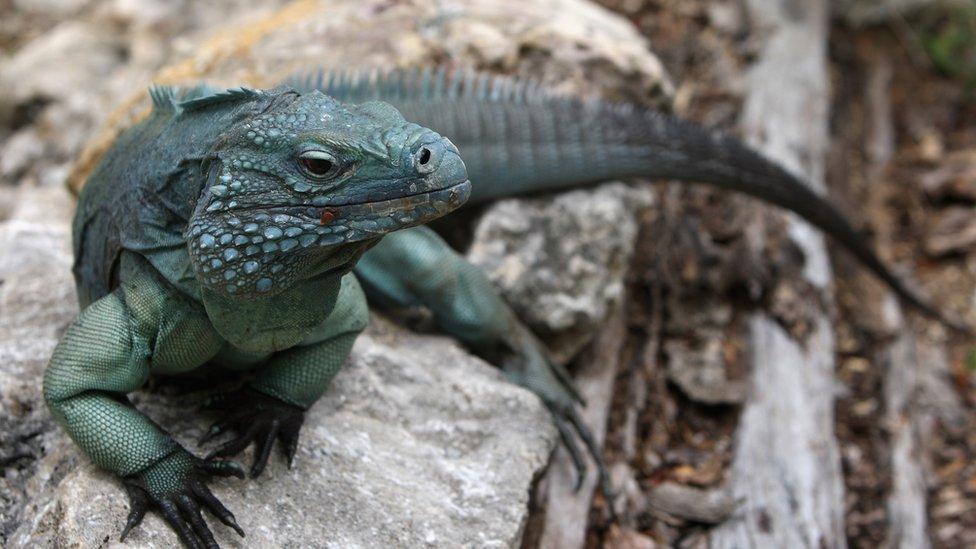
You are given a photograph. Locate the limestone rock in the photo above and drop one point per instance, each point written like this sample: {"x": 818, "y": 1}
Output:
{"x": 417, "y": 443}
{"x": 37, "y": 300}
{"x": 560, "y": 262}
{"x": 76, "y": 61}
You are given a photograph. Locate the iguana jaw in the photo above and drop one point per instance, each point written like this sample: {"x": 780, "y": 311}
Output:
{"x": 352, "y": 222}
{"x": 346, "y": 216}
{"x": 263, "y": 250}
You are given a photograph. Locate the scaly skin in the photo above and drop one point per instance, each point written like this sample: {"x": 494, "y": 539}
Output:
{"x": 518, "y": 138}
{"x": 220, "y": 232}
{"x": 206, "y": 237}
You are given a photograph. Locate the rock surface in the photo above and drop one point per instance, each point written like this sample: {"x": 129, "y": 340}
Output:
{"x": 71, "y": 63}
{"x": 417, "y": 443}
{"x": 560, "y": 262}
{"x": 405, "y": 450}
{"x": 37, "y": 298}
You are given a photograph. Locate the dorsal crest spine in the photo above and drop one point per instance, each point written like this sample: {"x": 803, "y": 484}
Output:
{"x": 163, "y": 98}
{"x": 426, "y": 83}
{"x": 219, "y": 98}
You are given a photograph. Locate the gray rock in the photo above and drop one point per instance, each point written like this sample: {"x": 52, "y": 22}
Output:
{"x": 58, "y": 8}
{"x": 60, "y": 63}
{"x": 19, "y": 151}
{"x": 561, "y": 261}
{"x": 417, "y": 443}
{"x": 37, "y": 294}
{"x": 76, "y": 63}
{"x": 37, "y": 300}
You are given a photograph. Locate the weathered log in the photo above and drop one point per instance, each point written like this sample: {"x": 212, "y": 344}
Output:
{"x": 786, "y": 468}
{"x": 567, "y": 510}
{"x": 696, "y": 504}
{"x": 906, "y": 502}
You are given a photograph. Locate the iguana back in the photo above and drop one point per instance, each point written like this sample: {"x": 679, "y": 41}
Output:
{"x": 143, "y": 191}
{"x": 519, "y": 138}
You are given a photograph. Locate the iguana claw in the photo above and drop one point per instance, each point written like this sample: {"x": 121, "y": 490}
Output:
{"x": 258, "y": 418}
{"x": 176, "y": 487}
{"x": 568, "y": 420}
{"x": 527, "y": 365}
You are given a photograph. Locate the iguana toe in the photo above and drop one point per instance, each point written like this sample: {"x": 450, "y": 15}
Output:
{"x": 176, "y": 487}
{"x": 259, "y": 419}
{"x": 526, "y": 364}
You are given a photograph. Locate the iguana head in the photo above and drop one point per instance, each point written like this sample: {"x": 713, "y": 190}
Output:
{"x": 307, "y": 185}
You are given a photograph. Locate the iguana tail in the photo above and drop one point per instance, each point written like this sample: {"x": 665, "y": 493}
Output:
{"x": 518, "y": 138}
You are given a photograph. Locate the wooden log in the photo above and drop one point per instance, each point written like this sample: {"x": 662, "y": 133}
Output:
{"x": 786, "y": 469}
{"x": 567, "y": 511}
{"x": 707, "y": 506}
{"x": 907, "y": 517}
{"x": 906, "y": 501}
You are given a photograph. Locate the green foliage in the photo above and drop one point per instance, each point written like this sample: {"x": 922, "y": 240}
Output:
{"x": 949, "y": 37}
{"x": 971, "y": 361}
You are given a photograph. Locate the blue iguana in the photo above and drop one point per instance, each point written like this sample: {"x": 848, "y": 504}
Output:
{"x": 244, "y": 230}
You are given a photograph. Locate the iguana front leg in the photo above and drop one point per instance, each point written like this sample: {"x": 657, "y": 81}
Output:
{"x": 272, "y": 405}
{"x": 105, "y": 354}
{"x": 416, "y": 267}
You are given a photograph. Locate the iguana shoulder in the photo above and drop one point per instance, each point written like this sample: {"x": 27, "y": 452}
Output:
{"x": 144, "y": 188}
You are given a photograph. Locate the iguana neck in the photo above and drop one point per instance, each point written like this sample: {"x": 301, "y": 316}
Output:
{"x": 264, "y": 324}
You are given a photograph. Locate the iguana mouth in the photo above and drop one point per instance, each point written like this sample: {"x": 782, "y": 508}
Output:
{"x": 292, "y": 226}
{"x": 428, "y": 203}
{"x": 456, "y": 193}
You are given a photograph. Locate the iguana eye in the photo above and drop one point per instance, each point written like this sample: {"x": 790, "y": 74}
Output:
{"x": 317, "y": 164}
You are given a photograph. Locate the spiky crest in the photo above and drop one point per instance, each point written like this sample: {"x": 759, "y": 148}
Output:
{"x": 436, "y": 84}
{"x": 163, "y": 98}
{"x": 206, "y": 96}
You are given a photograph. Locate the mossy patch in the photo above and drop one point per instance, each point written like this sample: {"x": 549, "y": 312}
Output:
{"x": 948, "y": 36}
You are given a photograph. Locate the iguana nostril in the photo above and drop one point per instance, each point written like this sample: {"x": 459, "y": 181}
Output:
{"x": 427, "y": 157}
